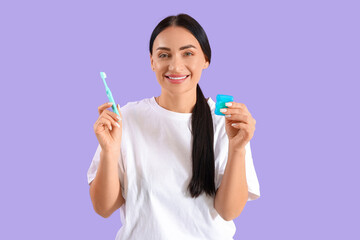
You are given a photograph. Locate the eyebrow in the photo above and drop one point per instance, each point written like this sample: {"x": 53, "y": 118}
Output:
{"x": 182, "y": 48}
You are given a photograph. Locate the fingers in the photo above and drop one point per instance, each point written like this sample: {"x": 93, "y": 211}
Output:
{"x": 118, "y": 107}
{"x": 107, "y": 121}
{"x": 103, "y": 107}
{"x": 104, "y": 122}
{"x": 108, "y": 118}
{"x": 111, "y": 116}
{"x": 238, "y": 117}
{"x": 236, "y": 105}
{"x": 237, "y": 112}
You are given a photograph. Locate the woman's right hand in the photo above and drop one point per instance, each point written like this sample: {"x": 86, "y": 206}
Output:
{"x": 106, "y": 129}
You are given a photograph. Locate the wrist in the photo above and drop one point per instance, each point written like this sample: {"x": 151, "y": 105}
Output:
{"x": 235, "y": 148}
{"x": 110, "y": 152}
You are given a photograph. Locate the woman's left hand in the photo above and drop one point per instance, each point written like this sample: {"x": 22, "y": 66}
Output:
{"x": 240, "y": 134}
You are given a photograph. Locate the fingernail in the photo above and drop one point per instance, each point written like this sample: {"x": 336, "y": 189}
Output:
{"x": 223, "y": 110}
{"x": 228, "y": 104}
{"x": 117, "y": 125}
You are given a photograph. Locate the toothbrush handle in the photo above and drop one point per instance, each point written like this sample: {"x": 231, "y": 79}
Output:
{"x": 111, "y": 99}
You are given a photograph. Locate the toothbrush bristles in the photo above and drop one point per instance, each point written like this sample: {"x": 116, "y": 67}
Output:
{"x": 103, "y": 74}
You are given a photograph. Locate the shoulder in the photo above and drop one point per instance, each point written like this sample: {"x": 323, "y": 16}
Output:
{"x": 134, "y": 105}
{"x": 136, "y": 112}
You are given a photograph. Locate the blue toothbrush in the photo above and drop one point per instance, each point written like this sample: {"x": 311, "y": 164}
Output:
{"x": 108, "y": 93}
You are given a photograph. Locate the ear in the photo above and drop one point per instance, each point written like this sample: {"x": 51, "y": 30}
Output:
{"x": 206, "y": 65}
{"x": 151, "y": 62}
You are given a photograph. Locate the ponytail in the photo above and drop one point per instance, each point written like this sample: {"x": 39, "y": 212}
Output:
{"x": 203, "y": 163}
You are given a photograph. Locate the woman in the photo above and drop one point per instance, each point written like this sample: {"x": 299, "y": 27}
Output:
{"x": 177, "y": 171}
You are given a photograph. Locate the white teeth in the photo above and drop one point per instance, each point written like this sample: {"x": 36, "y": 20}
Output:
{"x": 177, "y": 78}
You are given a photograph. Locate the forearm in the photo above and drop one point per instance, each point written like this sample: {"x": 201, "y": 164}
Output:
{"x": 106, "y": 185}
{"x": 232, "y": 194}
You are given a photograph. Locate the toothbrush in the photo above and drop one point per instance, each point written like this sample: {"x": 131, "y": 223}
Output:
{"x": 108, "y": 93}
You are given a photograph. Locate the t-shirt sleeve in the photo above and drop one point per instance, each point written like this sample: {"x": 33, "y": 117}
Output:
{"x": 91, "y": 174}
{"x": 251, "y": 177}
{"x": 252, "y": 181}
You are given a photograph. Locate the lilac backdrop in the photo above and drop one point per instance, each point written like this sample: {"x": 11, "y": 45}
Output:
{"x": 293, "y": 63}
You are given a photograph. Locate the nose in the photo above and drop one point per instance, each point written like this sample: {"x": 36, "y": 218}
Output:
{"x": 176, "y": 64}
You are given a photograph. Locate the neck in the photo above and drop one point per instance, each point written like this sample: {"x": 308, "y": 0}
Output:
{"x": 181, "y": 103}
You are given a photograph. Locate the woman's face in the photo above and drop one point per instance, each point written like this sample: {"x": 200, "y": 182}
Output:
{"x": 177, "y": 52}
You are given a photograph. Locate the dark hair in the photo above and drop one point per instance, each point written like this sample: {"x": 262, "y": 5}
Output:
{"x": 203, "y": 167}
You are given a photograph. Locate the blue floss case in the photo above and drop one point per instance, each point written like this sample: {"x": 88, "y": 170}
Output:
{"x": 221, "y": 99}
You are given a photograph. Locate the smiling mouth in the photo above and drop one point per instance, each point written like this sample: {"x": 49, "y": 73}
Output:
{"x": 177, "y": 78}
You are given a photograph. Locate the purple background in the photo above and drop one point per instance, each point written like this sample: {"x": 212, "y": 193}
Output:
{"x": 295, "y": 64}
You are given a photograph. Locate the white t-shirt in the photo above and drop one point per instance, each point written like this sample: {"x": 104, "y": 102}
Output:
{"x": 155, "y": 168}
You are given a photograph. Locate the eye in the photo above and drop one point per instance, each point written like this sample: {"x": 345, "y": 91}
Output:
{"x": 160, "y": 56}
{"x": 187, "y": 53}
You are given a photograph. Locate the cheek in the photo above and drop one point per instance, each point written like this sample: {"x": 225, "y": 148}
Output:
{"x": 195, "y": 69}
{"x": 197, "y": 64}
{"x": 159, "y": 67}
